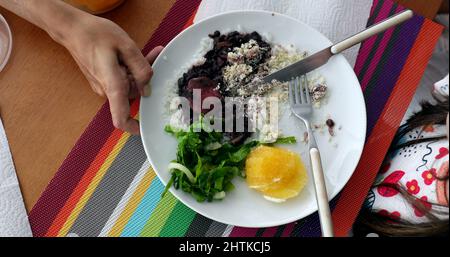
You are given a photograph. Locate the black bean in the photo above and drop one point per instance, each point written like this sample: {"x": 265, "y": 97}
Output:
{"x": 217, "y": 59}
{"x": 330, "y": 123}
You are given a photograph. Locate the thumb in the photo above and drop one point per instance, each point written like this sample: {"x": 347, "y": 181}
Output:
{"x": 151, "y": 57}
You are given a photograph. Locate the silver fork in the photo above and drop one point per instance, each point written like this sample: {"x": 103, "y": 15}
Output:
{"x": 302, "y": 107}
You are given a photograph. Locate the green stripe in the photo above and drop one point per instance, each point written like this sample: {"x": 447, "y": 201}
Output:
{"x": 179, "y": 221}
{"x": 159, "y": 216}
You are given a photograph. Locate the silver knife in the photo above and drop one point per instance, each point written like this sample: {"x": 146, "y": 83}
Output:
{"x": 320, "y": 58}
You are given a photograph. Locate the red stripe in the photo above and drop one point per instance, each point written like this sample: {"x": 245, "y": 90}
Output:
{"x": 243, "y": 232}
{"x": 87, "y": 178}
{"x": 387, "y": 35}
{"x": 191, "y": 20}
{"x": 172, "y": 24}
{"x": 96, "y": 134}
{"x": 372, "y": 10}
{"x": 71, "y": 172}
{"x": 288, "y": 229}
{"x": 270, "y": 232}
{"x": 70, "y": 204}
{"x": 378, "y": 143}
{"x": 369, "y": 43}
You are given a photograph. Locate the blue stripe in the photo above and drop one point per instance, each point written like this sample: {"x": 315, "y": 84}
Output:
{"x": 143, "y": 212}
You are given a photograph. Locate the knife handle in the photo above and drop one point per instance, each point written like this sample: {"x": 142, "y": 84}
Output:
{"x": 371, "y": 31}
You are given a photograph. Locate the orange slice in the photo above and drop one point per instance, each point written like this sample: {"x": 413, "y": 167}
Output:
{"x": 277, "y": 173}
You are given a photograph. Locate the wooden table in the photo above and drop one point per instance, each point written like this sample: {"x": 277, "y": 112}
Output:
{"x": 45, "y": 102}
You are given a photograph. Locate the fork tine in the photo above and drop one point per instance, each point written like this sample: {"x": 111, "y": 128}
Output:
{"x": 298, "y": 100}
{"x": 302, "y": 90}
{"x": 291, "y": 93}
{"x": 307, "y": 90}
{"x": 294, "y": 90}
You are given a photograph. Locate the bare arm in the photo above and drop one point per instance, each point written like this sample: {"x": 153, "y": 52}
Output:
{"x": 53, "y": 16}
{"x": 106, "y": 55}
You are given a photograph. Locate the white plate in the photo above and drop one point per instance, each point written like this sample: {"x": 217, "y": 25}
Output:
{"x": 5, "y": 42}
{"x": 243, "y": 206}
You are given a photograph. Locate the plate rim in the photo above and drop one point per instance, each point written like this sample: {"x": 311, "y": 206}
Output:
{"x": 346, "y": 63}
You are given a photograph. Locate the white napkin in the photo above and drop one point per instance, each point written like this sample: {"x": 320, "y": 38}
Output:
{"x": 336, "y": 19}
{"x": 13, "y": 216}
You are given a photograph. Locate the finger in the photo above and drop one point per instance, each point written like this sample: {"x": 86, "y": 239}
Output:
{"x": 117, "y": 88}
{"x": 138, "y": 66}
{"x": 134, "y": 93}
{"x": 120, "y": 112}
{"x": 151, "y": 57}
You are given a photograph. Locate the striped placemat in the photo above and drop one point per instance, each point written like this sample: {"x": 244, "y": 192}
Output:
{"x": 106, "y": 186}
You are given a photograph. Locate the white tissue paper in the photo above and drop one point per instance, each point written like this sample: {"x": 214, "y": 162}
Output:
{"x": 13, "y": 216}
{"x": 336, "y": 19}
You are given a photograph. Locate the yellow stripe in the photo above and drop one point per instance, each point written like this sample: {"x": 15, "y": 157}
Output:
{"x": 93, "y": 185}
{"x": 132, "y": 204}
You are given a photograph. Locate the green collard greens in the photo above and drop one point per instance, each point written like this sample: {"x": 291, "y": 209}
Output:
{"x": 206, "y": 163}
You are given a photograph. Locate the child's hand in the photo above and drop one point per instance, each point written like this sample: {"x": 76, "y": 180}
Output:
{"x": 113, "y": 65}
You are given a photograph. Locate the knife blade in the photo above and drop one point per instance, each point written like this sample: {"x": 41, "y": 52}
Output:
{"x": 320, "y": 58}
{"x": 301, "y": 67}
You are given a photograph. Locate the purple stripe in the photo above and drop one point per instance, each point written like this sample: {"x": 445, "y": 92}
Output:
{"x": 390, "y": 67}
{"x": 311, "y": 226}
{"x": 378, "y": 55}
{"x": 368, "y": 45}
{"x": 389, "y": 70}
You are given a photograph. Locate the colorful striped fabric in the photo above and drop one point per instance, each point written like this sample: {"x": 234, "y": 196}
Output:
{"x": 106, "y": 186}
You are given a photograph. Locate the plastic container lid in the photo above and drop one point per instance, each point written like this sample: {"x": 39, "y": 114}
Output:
{"x": 96, "y": 6}
{"x": 5, "y": 42}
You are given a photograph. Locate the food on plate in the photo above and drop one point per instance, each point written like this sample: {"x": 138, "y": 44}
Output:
{"x": 277, "y": 173}
{"x": 207, "y": 162}
{"x": 331, "y": 124}
{"x": 233, "y": 66}
{"x": 322, "y": 126}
